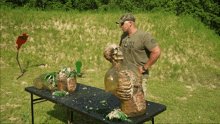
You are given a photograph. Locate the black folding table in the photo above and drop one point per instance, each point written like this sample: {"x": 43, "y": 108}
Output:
{"x": 94, "y": 102}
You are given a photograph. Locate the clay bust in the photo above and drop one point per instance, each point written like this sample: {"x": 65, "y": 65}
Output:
{"x": 65, "y": 81}
{"x": 125, "y": 82}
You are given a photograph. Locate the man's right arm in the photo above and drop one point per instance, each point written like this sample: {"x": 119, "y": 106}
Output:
{"x": 120, "y": 42}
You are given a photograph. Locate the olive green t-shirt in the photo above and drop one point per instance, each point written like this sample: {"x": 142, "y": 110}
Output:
{"x": 136, "y": 48}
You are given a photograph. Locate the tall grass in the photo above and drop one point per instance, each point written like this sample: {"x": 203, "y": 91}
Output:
{"x": 185, "y": 77}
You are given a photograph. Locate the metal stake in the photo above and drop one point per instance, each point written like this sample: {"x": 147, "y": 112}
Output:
{"x": 19, "y": 66}
{"x": 32, "y": 111}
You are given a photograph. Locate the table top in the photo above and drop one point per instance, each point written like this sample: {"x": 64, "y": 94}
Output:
{"x": 86, "y": 100}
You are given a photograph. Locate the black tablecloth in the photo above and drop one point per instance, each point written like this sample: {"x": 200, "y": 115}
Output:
{"x": 86, "y": 100}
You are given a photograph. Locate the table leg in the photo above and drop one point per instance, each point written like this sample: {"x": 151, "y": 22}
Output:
{"x": 71, "y": 116}
{"x": 152, "y": 120}
{"x": 32, "y": 109}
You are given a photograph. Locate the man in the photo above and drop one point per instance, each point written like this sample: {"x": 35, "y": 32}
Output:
{"x": 139, "y": 47}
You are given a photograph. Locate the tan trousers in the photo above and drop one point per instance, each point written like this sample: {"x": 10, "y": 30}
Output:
{"x": 144, "y": 83}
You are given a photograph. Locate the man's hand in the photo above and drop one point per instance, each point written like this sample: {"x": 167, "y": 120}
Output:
{"x": 155, "y": 54}
{"x": 141, "y": 70}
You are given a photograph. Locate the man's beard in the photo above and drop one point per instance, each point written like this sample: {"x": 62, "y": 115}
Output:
{"x": 126, "y": 31}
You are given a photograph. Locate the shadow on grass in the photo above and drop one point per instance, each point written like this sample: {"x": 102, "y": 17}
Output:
{"x": 25, "y": 69}
{"x": 60, "y": 113}
{"x": 28, "y": 65}
{"x": 64, "y": 115}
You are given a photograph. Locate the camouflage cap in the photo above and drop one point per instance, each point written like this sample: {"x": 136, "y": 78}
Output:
{"x": 126, "y": 17}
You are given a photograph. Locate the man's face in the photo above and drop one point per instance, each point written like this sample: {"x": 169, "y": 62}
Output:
{"x": 125, "y": 26}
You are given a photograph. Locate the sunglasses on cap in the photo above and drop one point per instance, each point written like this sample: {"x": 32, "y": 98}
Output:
{"x": 122, "y": 24}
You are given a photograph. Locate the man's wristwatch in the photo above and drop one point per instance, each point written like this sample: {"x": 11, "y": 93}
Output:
{"x": 143, "y": 68}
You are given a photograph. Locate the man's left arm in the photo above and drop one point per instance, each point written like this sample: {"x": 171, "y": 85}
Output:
{"x": 154, "y": 55}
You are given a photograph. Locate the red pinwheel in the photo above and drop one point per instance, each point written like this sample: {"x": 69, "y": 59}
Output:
{"x": 21, "y": 40}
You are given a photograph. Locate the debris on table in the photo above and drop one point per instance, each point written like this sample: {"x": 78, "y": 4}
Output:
{"x": 84, "y": 88}
{"x": 60, "y": 93}
{"x": 103, "y": 101}
{"x": 117, "y": 114}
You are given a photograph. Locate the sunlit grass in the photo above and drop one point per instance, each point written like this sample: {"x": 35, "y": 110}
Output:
{"x": 185, "y": 77}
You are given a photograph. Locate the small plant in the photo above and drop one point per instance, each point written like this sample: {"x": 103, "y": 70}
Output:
{"x": 68, "y": 71}
{"x": 50, "y": 77}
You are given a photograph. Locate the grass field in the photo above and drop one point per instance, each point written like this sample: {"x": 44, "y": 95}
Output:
{"x": 186, "y": 77}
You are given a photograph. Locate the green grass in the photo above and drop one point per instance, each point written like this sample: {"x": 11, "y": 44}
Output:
{"x": 186, "y": 77}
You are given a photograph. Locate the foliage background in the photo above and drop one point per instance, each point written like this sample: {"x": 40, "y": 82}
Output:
{"x": 207, "y": 11}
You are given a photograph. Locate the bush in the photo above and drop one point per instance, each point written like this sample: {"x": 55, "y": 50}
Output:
{"x": 205, "y": 10}
{"x": 208, "y": 11}
{"x": 55, "y": 5}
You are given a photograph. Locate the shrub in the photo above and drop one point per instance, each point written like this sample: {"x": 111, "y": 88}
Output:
{"x": 208, "y": 11}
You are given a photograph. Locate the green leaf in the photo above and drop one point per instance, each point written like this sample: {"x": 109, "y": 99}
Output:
{"x": 55, "y": 94}
{"x": 128, "y": 120}
{"x": 26, "y": 116}
{"x": 53, "y": 74}
{"x": 63, "y": 67}
{"x": 103, "y": 101}
{"x": 59, "y": 93}
{"x": 64, "y": 92}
